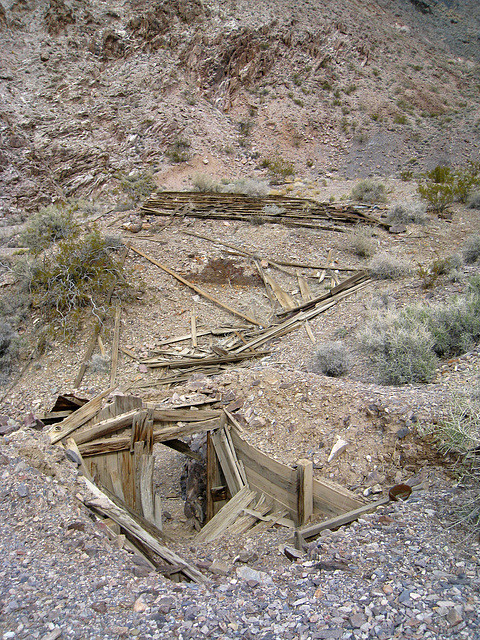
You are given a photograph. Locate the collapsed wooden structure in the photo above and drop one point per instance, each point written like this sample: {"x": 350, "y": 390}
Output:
{"x": 113, "y": 443}
{"x": 277, "y": 209}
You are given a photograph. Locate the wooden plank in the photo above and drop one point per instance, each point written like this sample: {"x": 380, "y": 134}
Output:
{"x": 185, "y": 415}
{"x": 304, "y": 491}
{"x": 204, "y": 361}
{"x": 72, "y": 445}
{"x": 77, "y": 418}
{"x": 265, "y": 283}
{"x": 115, "y": 345}
{"x": 98, "y": 327}
{"x": 115, "y": 475}
{"x": 193, "y": 324}
{"x": 102, "y": 503}
{"x": 282, "y": 296}
{"x": 182, "y": 447}
{"x": 315, "y": 529}
{"x": 105, "y": 427}
{"x": 330, "y": 498}
{"x": 305, "y": 290}
{"x": 158, "y": 511}
{"x": 101, "y": 346}
{"x": 250, "y": 517}
{"x": 227, "y": 462}
{"x": 358, "y": 278}
{"x": 226, "y": 516}
{"x": 146, "y": 487}
{"x": 198, "y": 290}
{"x": 267, "y": 475}
{"x": 121, "y": 443}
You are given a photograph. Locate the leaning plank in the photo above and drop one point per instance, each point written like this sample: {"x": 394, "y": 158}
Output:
{"x": 348, "y": 284}
{"x": 226, "y": 516}
{"x": 198, "y": 290}
{"x": 338, "y": 521}
{"x": 102, "y": 503}
{"x": 122, "y": 443}
{"x": 98, "y": 327}
{"x": 182, "y": 447}
{"x": 250, "y": 517}
{"x": 282, "y": 296}
{"x": 106, "y": 427}
{"x": 115, "y": 345}
{"x": 72, "y": 446}
{"x": 183, "y": 415}
{"x": 78, "y": 418}
{"x": 227, "y": 461}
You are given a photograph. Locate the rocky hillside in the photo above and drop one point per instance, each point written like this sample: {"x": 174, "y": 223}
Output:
{"x": 92, "y": 91}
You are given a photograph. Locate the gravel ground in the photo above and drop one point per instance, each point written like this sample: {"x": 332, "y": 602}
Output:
{"x": 401, "y": 572}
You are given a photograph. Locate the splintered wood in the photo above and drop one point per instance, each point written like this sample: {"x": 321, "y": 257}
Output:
{"x": 246, "y": 489}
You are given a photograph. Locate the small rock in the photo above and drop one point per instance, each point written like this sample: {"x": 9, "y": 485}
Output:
{"x": 22, "y": 490}
{"x": 357, "y": 620}
{"x": 246, "y": 573}
{"x": 337, "y": 449}
{"x": 165, "y": 604}
{"x": 454, "y": 617}
{"x": 3, "y": 459}
{"x": 99, "y": 607}
{"x": 219, "y": 568}
{"x": 139, "y": 606}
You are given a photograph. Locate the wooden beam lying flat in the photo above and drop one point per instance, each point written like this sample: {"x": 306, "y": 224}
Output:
{"x": 189, "y": 284}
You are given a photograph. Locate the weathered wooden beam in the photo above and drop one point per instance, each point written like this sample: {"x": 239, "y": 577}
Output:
{"x": 226, "y": 516}
{"x": 115, "y": 345}
{"x": 103, "y": 504}
{"x": 78, "y": 418}
{"x": 122, "y": 443}
{"x": 189, "y": 284}
{"x": 105, "y": 427}
{"x": 304, "y": 491}
{"x": 315, "y": 529}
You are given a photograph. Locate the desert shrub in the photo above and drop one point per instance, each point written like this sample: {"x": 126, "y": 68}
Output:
{"x": 442, "y": 186}
{"x": 455, "y": 327}
{"x": 205, "y": 183}
{"x": 437, "y": 188}
{"x": 361, "y": 241}
{"x": 459, "y": 435}
{"x": 179, "y": 151}
{"x": 137, "y": 185}
{"x": 369, "y": 191}
{"x": 247, "y": 186}
{"x": 474, "y": 200}
{"x": 9, "y": 350}
{"x": 401, "y": 349}
{"x": 333, "y": 359}
{"x": 439, "y": 267}
{"x": 77, "y": 274}
{"x": 405, "y": 345}
{"x": 407, "y": 212}
{"x": 471, "y": 249}
{"x": 99, "y": 364}
{"x": 278, "y": 168}
{"x": 385, "y": 267}
{"x": 48, "y": 226}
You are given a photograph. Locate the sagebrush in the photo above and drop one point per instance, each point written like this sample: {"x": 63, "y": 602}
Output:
{"x": 386, "y": 267}
{"x": 369, "y": 191}
{"x": 332, "y": 359}
{"x": 362, "y": 242}
{"x": 407, "y": 212}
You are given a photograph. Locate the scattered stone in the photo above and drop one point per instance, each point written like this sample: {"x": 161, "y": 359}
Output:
{"x": 22, "y": 490}
{"x": 246, "y": 573}
{"x": 454, "y": 616}
{"x": 220, "y": 568}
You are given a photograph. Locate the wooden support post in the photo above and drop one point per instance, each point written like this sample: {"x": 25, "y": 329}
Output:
{"x": 304, "y": 491}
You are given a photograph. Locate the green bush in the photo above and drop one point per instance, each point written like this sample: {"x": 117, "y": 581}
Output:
{"x": 405, "y": 345}
{"x": 205, "y": 183}
{"x": 77, "y": 274}
{"x": 369, "y": 191}
{"x": 459, "y": 435}
{"x": 246, "y": 186}
{"x": 138, "y": 185}
{"x": 48, "y": 226}
{"x": 278, "y": 168}
{"x": 442, "y": 186}
{"x": 439, "y": 267}
{"x": 333, "y": 359}
{"x": 179, "y": 151}
{"x": 385, "y": 267}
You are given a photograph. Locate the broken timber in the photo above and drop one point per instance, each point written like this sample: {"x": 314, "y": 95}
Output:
{"x": 228, "y": 206}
